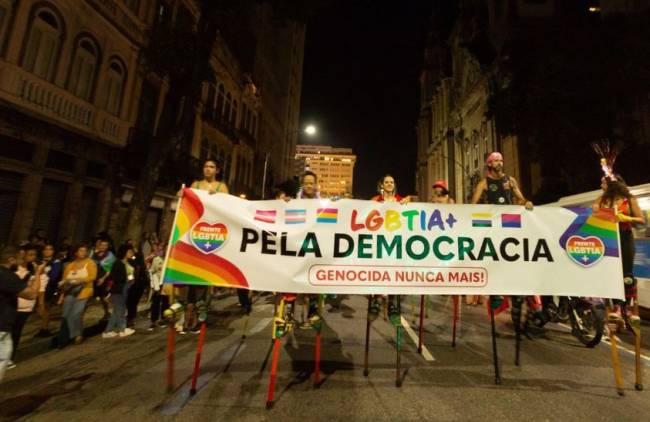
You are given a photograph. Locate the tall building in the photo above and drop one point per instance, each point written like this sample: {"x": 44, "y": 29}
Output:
{"x": 333, "y": 166}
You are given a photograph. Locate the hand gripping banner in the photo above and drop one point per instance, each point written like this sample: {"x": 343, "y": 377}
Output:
{"x": 366, "y": 247}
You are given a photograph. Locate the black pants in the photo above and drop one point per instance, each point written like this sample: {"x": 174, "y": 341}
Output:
{"x": 244, "y": 299}
{"x": 132, "y": 300}
{"x": 158, "y": 304}
{"x": 17, "y": 330}
{"x": 627, "y": 258}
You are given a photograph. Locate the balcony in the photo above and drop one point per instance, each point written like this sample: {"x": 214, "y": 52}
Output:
{"x": 123, "y": 18}
{"x": 34, "y": 94}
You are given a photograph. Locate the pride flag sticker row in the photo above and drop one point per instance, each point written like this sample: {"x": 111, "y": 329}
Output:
{"x": 297, "y": 216}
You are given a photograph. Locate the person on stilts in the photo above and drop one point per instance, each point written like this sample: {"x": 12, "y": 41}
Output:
{"x": 501, "y": 189}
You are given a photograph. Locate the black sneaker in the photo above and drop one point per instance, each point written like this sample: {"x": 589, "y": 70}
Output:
{"x": 43, "y": 333}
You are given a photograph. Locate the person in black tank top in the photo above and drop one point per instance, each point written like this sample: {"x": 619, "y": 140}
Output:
{"x": 499, "y": 188}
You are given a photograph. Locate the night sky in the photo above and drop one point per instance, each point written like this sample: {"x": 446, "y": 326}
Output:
{"x": 360, "y": 85}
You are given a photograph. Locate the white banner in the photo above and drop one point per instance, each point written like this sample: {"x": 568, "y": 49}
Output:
{"x": 365, "y": 247}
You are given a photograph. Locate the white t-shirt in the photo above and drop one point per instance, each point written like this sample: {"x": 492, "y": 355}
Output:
{"x": 27, "y": 305}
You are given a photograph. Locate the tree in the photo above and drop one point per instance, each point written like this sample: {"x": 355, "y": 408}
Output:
{"x": 179, "y": 52}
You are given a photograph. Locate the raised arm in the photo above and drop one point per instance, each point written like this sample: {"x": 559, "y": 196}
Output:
{"x": 480, "y": 188}
{"x": 520, "y": 196}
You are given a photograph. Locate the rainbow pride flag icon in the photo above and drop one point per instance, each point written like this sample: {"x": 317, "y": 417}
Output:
{"x": 482, "y": 220}
{"x": 511, "y": 221}
{"x": 295, "y": 216}
{"x": 265, "y": 216}
{"x": 327, "y": 215}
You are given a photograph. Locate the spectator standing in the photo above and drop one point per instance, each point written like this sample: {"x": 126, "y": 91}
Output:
{"x": 53, "y": 270}
{"x": 78, "y": 278}
{"x": 160, "y": 292}
{"x": 26, "y": 271}
{"x": 122, "y": 277}
{"x": 11, "y": 288}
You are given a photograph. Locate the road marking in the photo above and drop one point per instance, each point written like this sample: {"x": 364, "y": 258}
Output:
{"x": 618, "y": 344}
{"x": 425, "y": 352}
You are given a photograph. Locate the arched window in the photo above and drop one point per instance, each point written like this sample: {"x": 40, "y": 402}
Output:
{"x": 244, "y": 113}
{"x": 84, "y": 68}
{"x": 43, "y": 44}
{"x": 227, "y": 109}
{"x": 115, "y": 81}
{"x": 220, "y": 99}
{"x": 233, "y": 117}
{"x": 209, "y": 102}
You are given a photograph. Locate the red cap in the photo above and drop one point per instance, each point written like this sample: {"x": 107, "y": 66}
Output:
{"x": 441, "y": 184}
{"x": 494, "y": 156}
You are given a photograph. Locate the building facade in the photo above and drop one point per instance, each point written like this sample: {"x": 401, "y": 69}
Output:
{"x": 78, "y": 112}
{"x": 69, "y": 89}
{"x": 333, "y": 166}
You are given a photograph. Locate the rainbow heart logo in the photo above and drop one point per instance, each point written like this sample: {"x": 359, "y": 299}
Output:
{"x": 585, "y": 251}
{"x": 208, "y": 237}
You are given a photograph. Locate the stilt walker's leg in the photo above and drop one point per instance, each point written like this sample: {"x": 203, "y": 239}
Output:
{"x": 398, "y": 338}
{"x": 497, "y": 375}
{"x": 616, "y": 364}
{"x": 321, "y": 300}
{"x": 197, "y": 360}
{"x": 421, "y": 330}
{"x": 171, "y": 333}
{"x": 365, "y": 356}
{"x": 635, "y": 322}
{"x": 274, "y": 372}
{"x": 454, "y": 321}
{"x": 517, "y": 303}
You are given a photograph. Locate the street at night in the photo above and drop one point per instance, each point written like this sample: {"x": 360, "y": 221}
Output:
{"x": 324, "y": 210}
{"x": 558, "y": 377}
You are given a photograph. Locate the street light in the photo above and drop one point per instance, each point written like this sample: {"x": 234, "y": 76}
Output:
{"x": 309, "y": 130}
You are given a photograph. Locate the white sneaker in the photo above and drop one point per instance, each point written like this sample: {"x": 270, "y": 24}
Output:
{"x": 11, "y": 364}
{"x": 127, "y": 332}
{"x": 109, "y": 334}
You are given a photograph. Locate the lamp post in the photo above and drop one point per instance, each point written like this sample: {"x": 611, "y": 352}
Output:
{"x": 309, "y": 130}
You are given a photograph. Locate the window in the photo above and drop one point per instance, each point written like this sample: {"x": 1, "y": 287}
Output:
{"x": 83, "y": 68}
{"x": 43, "y": 45}
{"x": 227, "y": 109}
{"x": 244, "y": 113}
{"x": 233, "y": 117}
{"x": 115, "y": 81}
{"x": 220, "y": 100}
{"x": 209, "y": 102}
{"x": 4, "y": 17}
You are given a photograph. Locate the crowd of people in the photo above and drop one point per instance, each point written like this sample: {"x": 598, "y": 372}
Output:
{"x": 40, "y": 276}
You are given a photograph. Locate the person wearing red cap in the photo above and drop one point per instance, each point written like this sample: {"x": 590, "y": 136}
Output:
{"x": 441, "y": 193}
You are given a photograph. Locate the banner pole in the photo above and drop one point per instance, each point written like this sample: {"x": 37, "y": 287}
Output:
{"x": 497, "y": 375}
{"x": 197, "y": 360}
{"x": 420, "y": 331}
{"x": 171, "y": 332}
{"x": 274, "y": 372}
{"x": 454, "y": 321}
{"x": 636, "y": 328}
{"x": 398, "y": 341}
{"x": 171, "y": 234}
{"x": 367, "y": 350}
{"x": 616, "y": 363}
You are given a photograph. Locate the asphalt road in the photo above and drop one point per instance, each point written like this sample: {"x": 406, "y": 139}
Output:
{"x": 124, "y": 378}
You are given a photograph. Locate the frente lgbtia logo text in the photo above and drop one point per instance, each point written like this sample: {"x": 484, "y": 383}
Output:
{"x": 207, "y": 237}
